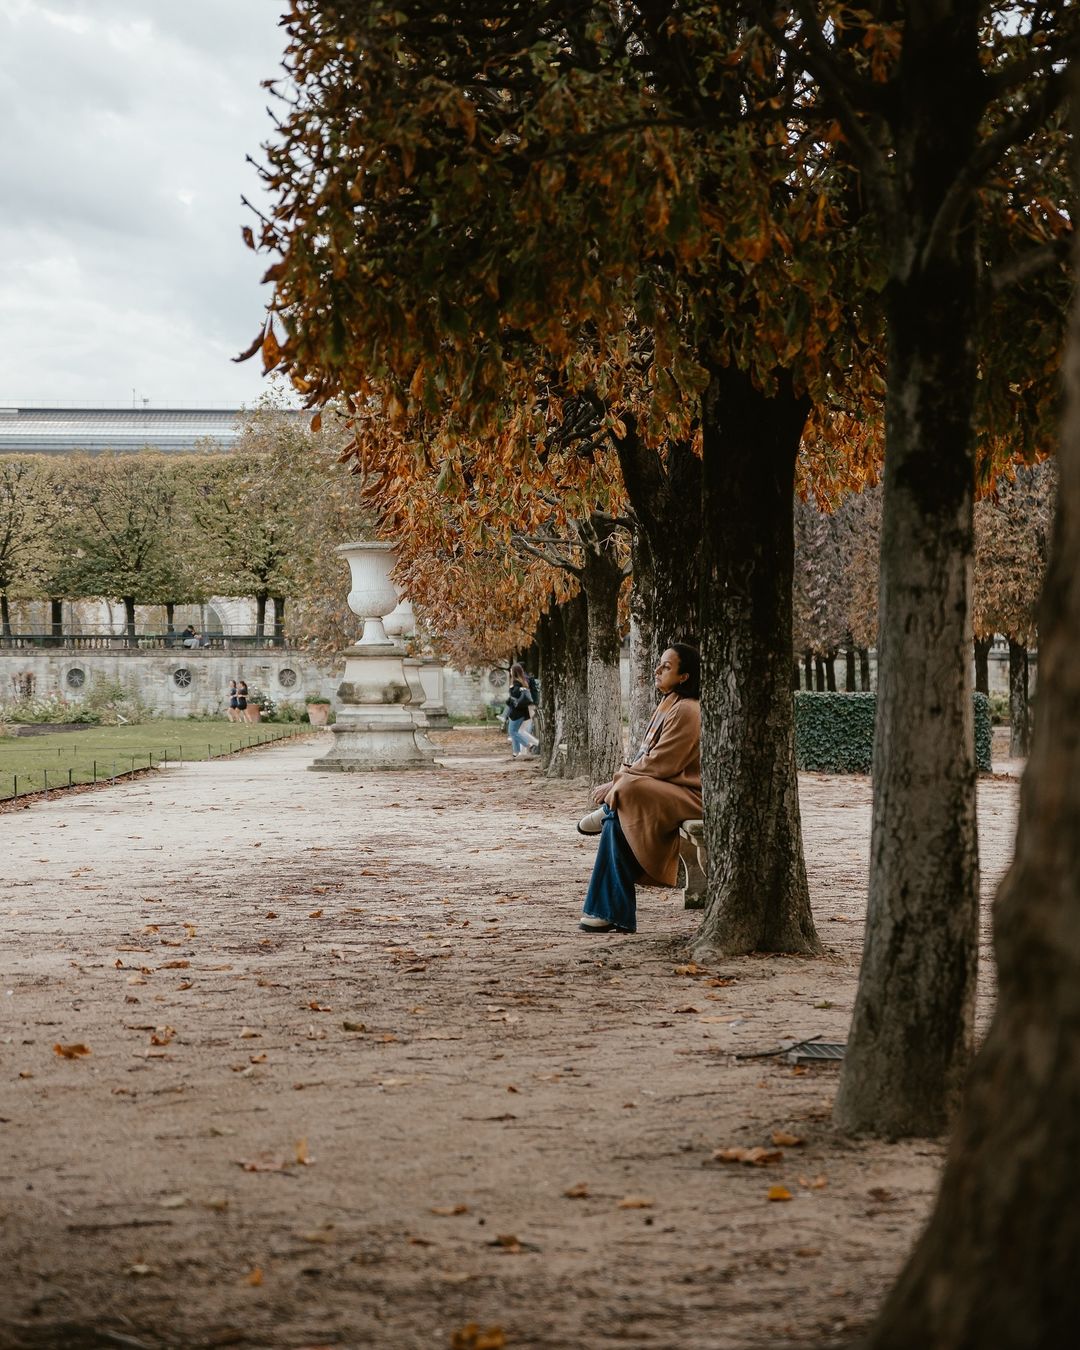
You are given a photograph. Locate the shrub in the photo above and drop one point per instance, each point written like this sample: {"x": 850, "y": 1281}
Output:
{"x": 285, "y": 712}
{"x": 49, "y": 709}
{"x": 316, "y": 698}
{"x": 834, "y": 733}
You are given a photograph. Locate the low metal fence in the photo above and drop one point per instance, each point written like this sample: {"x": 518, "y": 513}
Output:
{"x": 109, "y": 768}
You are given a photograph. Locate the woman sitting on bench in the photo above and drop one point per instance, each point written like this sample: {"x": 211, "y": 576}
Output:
{"x": 638, "y": 822}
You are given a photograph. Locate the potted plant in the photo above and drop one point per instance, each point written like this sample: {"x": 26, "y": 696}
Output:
{"x": 253, "y": 711}
{"x": 318, "y": 710}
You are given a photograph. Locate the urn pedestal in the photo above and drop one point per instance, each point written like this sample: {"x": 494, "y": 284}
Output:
{"x": 376, "y": 726}
{"x": 431, "y": 677}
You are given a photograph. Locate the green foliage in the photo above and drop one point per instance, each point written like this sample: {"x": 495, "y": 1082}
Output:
{"x": 834, "y": 733}
{"x": 48, "y": 709}
{"x": 285, "y": 712}
{"x": 317, "y": 698}
{"x": 999, "y": 709}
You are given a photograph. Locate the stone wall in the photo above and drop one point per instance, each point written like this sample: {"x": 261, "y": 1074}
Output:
{"x": 187, "y": 683}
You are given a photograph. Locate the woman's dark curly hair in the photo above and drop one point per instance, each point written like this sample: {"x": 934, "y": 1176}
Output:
{"x": 689, "y": 665}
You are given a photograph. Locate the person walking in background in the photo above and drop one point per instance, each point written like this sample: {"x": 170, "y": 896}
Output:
{"x": 234, "y": 703}
{"x": 241, "y": 699}
{"x": 642, "y": 807}
{"x": 520, "y": 704}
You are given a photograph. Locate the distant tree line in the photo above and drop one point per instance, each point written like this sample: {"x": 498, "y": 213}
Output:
{"x": 160, "y": 529}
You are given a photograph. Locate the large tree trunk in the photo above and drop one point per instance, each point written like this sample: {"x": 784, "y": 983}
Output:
{"x": 5, "y": 614}
{"x": 982, "y": 663}
{"x": 864, "y": 669}
{"x": 601, "y": 580}
{"x": 569, "y": 718}
{"x": 546, "y": 643}
{"x": 1019, "y": 707}
{"x": 260, "y": 613}
{"x": 56, "y": 616}
{"x": 279, "y": 620}
{"x": 849, "y": 667}
{"x": 170, "y": 616}
{"x": 758, "y": 897}
{"x": 129, "y": 618}
{"x": 996, "y": 1265}
{"x": 911, "y": 1035}
{"x": 808, "y": 669}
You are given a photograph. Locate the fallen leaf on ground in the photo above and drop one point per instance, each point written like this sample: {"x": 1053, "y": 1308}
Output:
{"x": 507, "y": 1241}
{"x": 753, "y": 1157}
{"x": 162, "y": 1035}
{"x": 635, "y": 1202}
{"x": 254, "y": 1276}
{"x": 315, "y": 914}
{"x": 174, "y": 965}
{"x": 353, "y": 1026}
{"x": 249, "y": 1034}
{"x": 75, "y": 1051}
{"x": 786, "y": 1139}
{"x": 448, "y": 1211}
{"x": 270, "y": 914}
{"x": 779, "y": 1193}
{"x": 302, "y": 1155}
{"x": 817, "y": 1183}
{"x": 140, "y": 1268}
{"x": 264, "y": 1162}
{"x": 474, "y": 1337}
{"x": 258, "y": 1059}
{"x": 689, "y": 1008}
{"x": 319, "y": 1007}
{"x": 578, "y": 1192}
{"x": 415, "y": 1241}
{"x": 173, "y": 1202}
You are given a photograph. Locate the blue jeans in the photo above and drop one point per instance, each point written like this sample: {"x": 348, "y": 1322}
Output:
{"x": 519, "y": 740}
{"x": 611, "y": 894}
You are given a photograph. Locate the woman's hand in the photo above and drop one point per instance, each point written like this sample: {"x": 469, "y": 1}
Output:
{"x": 601, "y": 792}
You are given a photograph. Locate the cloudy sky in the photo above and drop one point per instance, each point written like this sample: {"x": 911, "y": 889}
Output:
{"x": 122, "y": 165}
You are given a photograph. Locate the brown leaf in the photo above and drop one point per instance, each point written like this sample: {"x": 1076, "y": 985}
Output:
{"x": 580, "y": 1191}
{"x": 474, "y": 1337}
{"x": 448, "y": 1211}
{"x": 264, "y": 1162}
{"x": 319, "y": 1007}
{"x": 315, "y": 914}
{"x": 779, "y": 1193}
{"x": 174, "y": 965}
{"x": 753, "y": 1157}
{"x": 354, "y": 1026}
{"x": 635, "y": 1202}
{"x": 75, "y": 1051}
{"x": 302, "y": 1155}
{"x": 254, "y": 1276}
{"x": 786, "y": 1139}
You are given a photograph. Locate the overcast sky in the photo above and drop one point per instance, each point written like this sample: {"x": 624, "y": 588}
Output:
{"x": 122, "y": 163}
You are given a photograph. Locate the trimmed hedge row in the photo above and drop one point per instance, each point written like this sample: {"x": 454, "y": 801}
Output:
{"x": 834, "y": 733}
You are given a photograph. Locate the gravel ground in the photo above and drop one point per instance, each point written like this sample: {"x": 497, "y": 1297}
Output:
{"x": 356, "y": 1079}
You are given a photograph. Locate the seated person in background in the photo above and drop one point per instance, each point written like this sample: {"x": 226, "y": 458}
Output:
{"x": 187, "y": 637}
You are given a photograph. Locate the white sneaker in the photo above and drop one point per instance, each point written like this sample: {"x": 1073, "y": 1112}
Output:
{"x": 593, "y": 823}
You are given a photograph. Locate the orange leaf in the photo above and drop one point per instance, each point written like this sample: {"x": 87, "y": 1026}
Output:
{"x": 71, "y": 1051}
{"x": 779, "y": 1193}
{"x": 787, "y": 1140}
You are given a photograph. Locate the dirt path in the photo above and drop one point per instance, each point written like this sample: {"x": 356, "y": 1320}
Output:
{"x": 358, "y": 1080}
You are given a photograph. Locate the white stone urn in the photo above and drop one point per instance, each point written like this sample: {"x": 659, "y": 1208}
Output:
{"x": 373, "y": 594}
{"x": 401, "y": 621}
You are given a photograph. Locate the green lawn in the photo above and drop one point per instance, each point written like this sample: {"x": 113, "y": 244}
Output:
{"x": 32, "y": 763}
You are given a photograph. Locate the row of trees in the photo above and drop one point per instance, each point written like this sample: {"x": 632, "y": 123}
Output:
{"x": 169, "y": 529}
{"x": 575, "y": 264}
{"x": 835, "y": 598}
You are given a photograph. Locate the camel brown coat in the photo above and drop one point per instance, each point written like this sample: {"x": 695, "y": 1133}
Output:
{"x": 661, "y": 788}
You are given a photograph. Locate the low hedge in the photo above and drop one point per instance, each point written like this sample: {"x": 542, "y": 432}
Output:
{"x": 834, "y": 733}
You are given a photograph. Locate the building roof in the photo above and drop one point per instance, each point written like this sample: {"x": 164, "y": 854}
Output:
{"x": 61, "y": 430}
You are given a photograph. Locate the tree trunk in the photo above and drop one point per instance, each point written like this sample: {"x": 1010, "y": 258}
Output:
{"x": 982, "y": 663}
{"x": 1019, "y": 708}
{"x": 129, "y": 618}
{"x": 849, "y": 668}
{"x": 996, "y": 1266}
{"x": 864, "y": 669}
{"x": 56, "y": 615}
{"x": 643, "y": 651}
{"x": 911, "y": 1035}
{"x": 575, "y": 689}
{"x": 796, "y": 675}
{"x": 260, "y": 613}
{"x": 808, "y": 669}
{"x": 819, "y": 674}
{"x": 5, "y": 614}
{"x": 170, "y": 616}
{"x": 602, "y": 578}
{"x": 758, "y": 897}
{"x": 830, "y": 672}
{"x": 279, "y": 620}
{"x": 546, "y": 656}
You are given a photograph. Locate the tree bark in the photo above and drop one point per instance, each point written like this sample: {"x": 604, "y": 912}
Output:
{"x": 601, "y": 581}
{"x": 849, "y": 668}
{"x": 5, "y": 614}
{"x": 170, "y": 616}
{"x": 808, "y": 669}
{"x": 129, "y": 618}
{"x": 864, "y": 669}
{"x": 796, "y": 675}
{"x": 569, "y": 717}
{"x": 982, "y": 663}
{"x": 996, "y": 1266}
{"x": 1019, "y": 707}
{"x": 56, "y": 616}
{"x": 546, "y": 642}
{"x": 911, "y": 1036}
{"x": 830, "y": 672}
{"x": 260, "y": 613}
{"x": 279, "y": 620}
{"x": 758, "y": 896}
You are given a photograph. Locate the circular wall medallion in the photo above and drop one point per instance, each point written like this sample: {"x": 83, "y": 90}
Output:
{"x": 75, "y": 678}
{"x": 182, "y": 677}
{"x": 496, "y": 677}
{"x": 286, "y": 677}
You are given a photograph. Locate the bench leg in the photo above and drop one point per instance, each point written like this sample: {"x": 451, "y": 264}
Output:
{"x": 692, "y": 875}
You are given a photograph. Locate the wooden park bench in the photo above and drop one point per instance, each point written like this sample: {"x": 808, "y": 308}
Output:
{"x": 693, "y": 863}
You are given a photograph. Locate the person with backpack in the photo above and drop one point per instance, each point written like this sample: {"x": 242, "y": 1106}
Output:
{"x": 520, "y": 705}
